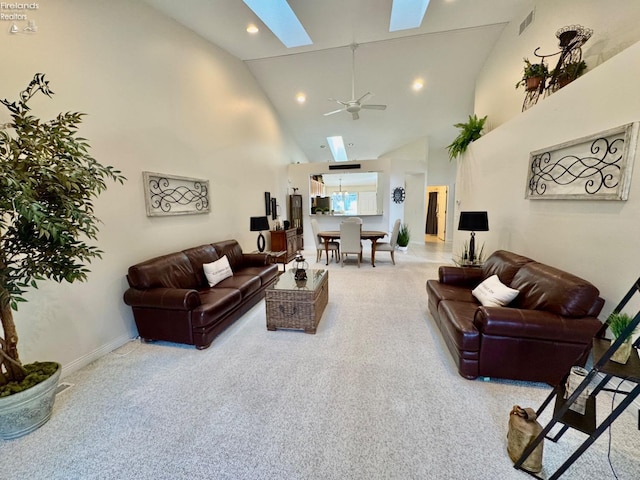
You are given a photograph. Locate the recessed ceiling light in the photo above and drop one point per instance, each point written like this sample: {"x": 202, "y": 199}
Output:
{"x": 251, "y": 28}
{"x": 301, "y": 98}
{"x": 418, "y": 84}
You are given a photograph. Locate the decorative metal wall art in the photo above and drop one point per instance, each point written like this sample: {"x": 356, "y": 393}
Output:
{"x": 173, "y": 195}
{"x": 569, "y": 66}
{"x": 597, "y": 167}
{"x": 398, "y": 195}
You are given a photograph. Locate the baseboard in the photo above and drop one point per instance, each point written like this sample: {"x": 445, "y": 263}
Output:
{"x": 93, "y": 356}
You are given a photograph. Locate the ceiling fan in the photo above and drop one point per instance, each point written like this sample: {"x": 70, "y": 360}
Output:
{"x": 354, "y": 105}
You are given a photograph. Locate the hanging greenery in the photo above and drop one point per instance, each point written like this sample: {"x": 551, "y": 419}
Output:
{"x": 469, "y": 132}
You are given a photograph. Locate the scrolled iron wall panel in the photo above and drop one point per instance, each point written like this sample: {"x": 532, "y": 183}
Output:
{"x": 174, "y": 195}
{"x": 597, "y": 167}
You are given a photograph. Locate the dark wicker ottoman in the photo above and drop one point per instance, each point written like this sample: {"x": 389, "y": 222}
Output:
{"x": 297, "y": 304}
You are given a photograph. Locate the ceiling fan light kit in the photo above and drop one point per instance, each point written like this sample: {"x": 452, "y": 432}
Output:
{"x": 354, "y": 105}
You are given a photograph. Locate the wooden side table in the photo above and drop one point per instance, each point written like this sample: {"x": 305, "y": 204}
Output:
{"x": 276, "y": 257}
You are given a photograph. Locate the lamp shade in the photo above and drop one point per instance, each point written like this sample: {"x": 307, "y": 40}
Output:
{"x": 259, "y": 224}
{"x": 474, "y": 221}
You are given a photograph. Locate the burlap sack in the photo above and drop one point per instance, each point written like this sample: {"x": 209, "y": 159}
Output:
{"x": 523, "y": 429}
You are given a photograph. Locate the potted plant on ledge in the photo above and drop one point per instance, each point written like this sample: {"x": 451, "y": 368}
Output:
{"x": 403, "y": 237}
{"x": 48, "y": 182}
{"x": 469, "y": 132}
{"x": 570, "y": 72}
{"x": 532, "y": 75}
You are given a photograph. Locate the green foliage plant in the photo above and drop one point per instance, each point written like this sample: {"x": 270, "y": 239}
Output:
{"x": 571, "y": 71}
{"x": 618, "y": 323}
{"x": 532, "y": 70}
{"x": 48, "y": 183}
{"x": 463, "y": 256}
{"x": 403, "y": 235}
{"x": 469, "y": 132}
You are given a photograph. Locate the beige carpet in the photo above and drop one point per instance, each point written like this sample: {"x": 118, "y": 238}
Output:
{"x": 373, "y": 395}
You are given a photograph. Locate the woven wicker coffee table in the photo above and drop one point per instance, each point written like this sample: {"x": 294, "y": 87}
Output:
{"x": 297, "y": 304}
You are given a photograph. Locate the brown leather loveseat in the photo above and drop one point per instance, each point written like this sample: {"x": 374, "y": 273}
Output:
{"x": 172, "y": 300}
{"x": 538, "y": 336}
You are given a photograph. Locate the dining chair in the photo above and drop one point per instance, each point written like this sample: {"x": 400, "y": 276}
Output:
{"x": 390, "y": 246}
{"x": 354, "y": 219}
{"x": 334, "y": 247}
{"x": 350, "y": 242}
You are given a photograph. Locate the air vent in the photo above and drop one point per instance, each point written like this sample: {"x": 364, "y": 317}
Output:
{"x": 527, "y": 21}
{"x": 348, "y": 166}
{"x": 62, "y": 387}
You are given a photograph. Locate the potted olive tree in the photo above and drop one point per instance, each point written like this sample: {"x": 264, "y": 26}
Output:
{"x": 48, "y": 182}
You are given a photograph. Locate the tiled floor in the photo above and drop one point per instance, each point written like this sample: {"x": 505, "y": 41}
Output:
{"x": 434, "y": 251}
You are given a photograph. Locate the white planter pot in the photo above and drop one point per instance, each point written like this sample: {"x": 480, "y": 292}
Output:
{"x": 23, "y": 412}
{"x": 621, "y": 355}
{"x": 403, "y": 249}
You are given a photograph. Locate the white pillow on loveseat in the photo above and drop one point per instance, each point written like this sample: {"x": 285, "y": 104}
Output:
{"x": 493, "y": 293}
{"x": 217, "y": 271}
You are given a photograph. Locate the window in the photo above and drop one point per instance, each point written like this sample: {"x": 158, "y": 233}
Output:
{"x": 344, "y": 203}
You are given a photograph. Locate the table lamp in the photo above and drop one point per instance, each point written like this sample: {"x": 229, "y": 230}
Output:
{"x": 473, "y": 222}
{"x": 259, "y": 224}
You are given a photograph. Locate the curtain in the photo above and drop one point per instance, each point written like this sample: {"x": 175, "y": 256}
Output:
{"x": 432, "y": 217}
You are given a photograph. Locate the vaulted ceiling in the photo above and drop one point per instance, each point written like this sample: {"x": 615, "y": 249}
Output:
{"x": 447, "y": 51}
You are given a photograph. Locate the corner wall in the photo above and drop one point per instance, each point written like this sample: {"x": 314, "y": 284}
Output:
{"x": 596, "y": 240}
{"x": 159, "y": 98}
{"x": 615, "y": 26}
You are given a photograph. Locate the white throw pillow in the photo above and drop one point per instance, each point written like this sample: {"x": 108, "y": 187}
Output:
{"x": 493, "y": 293}
{"x": 217, "y": 271}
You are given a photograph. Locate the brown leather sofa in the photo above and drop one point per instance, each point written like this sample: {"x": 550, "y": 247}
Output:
{"x": 171, "y": 299}
{"x": 537, "y": 337}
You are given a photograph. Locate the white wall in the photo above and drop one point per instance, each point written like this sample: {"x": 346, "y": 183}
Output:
{"x": 409, "y": 170}
{"x": 596, "y": 240}
{"x": 615, "y": 27}
{"x": 160, "y": 99}
{"x": 442, "y": 171}
{"x": 404, "y": 167}
{"x": 298, "y": 175}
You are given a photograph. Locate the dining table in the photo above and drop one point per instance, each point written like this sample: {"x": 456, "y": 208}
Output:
{"x": 373, "y": 235}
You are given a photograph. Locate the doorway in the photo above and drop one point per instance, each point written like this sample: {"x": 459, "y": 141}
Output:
{"x": 436, "y": 208}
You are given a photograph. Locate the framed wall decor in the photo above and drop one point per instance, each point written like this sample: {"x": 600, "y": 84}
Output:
{"x": 597, "y": 167}
{"x": 398, "y": 195}
{"x": 173, "y": 195}
{"x": 267, "y": 203}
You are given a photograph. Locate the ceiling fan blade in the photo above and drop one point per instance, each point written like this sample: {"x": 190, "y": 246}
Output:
{"x": 335, "y": 111}
{"x": 364, "y": 96}
{"x": 374, "y": 107}
{"x": 338, "y": 101}
{"x": 355, "y": 115}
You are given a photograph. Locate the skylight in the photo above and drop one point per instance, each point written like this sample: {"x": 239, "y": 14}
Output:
{"x": 281, "y": 20}
{"x": 406, "y": 14}
{"x": 336, "y": 145}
